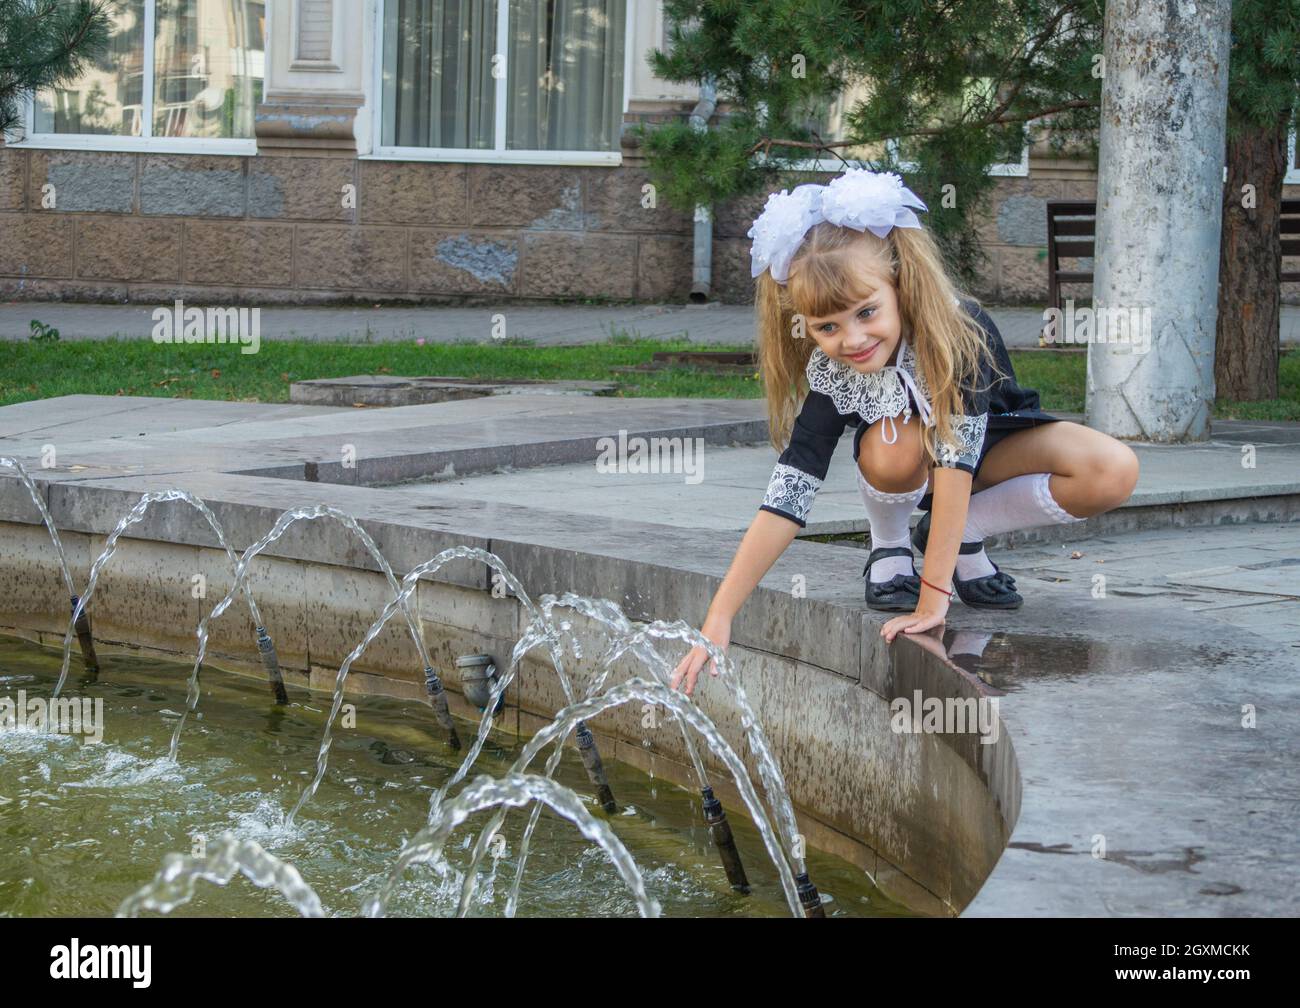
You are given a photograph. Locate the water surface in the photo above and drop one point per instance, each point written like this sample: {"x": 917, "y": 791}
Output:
{"x": 85, "y": 825}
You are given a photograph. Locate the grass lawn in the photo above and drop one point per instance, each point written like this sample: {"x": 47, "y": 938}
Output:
{"x": 39, "y": 370}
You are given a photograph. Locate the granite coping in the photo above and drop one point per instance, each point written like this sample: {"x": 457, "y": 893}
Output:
{"x": 395, "y": 390}
{"x": 646, "y": 568}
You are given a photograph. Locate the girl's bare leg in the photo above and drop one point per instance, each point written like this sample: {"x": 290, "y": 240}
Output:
{"x": 891, "y": 481}
{"x": 1091, "y": 472}
{"x": 897, "y": 467}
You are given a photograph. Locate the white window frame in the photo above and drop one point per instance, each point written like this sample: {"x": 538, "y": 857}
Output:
{"x": 498, "y": 154}
{"x": 1006, "y": 169}
{"x": 1015, "y": 169}
{"x": 1292, "y": 176}
{"x": 143, "y": 144}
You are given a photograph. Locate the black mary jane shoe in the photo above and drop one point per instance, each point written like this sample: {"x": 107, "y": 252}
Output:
{"x": 900, "y": 593}
{"x": 993, "y": 591}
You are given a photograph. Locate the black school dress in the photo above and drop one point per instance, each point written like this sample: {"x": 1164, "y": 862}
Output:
{"x": 838, "y": 395}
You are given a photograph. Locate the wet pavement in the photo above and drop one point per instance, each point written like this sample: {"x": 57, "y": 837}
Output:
{"x": 1245, "y": 576}
{"x": 1159, "y": 754}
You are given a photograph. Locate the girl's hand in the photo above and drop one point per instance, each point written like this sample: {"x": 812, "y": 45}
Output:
{"x": 931, "y": 611}
{"x": 717, "y": 630}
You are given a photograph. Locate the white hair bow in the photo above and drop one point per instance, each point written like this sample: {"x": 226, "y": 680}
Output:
{"x": 859, "y": 199}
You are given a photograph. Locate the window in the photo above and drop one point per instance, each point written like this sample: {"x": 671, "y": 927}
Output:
{"x": 177, "y": 74}
{"x": 978, "y": 93}
{"x": 555, "y": 96}
{"x": 828, "y": 122}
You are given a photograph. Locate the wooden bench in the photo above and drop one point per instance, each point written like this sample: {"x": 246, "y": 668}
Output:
{"x": 1290, "y": 236}
{"x": 1068, "y": 238}
{"x": 1071, "y": 232}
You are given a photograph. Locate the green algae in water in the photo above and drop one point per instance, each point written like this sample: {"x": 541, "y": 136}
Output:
{"x": 84, "y": 826}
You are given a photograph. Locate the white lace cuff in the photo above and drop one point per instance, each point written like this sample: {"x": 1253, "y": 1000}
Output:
{"x": 791, "y": 492}
{"x": 964, "y": 450}
{"x": 1047, "y": 503}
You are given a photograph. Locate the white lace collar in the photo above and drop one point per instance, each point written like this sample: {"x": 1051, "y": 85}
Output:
{"x": 874, "y": 395}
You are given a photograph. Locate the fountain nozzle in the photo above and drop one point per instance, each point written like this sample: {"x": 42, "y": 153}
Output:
{"x": 809, "y": 897}
{"x": 595, "y": 768}
{"x": 85, "y": 639}
{"x": 438, "y": 700}
{"x": 266, "y": 647}
{"x": 720, "y": 829}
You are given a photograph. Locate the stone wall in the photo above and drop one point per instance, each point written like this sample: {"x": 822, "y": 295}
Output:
{"x": 278, "y": 228}
{"x": 275, "y": 229}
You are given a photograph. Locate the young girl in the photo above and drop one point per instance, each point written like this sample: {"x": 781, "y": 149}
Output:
{"x": 855, "y": 307}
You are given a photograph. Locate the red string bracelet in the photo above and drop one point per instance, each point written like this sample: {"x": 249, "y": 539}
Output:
{"x": 946, "y": 591}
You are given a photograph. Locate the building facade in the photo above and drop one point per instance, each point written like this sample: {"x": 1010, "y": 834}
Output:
{"x": 317, "y": 151}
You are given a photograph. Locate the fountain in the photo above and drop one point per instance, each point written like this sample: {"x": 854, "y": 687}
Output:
{"x": 231, "y": 855}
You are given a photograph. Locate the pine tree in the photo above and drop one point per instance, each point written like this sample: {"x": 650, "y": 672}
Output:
{"x": 44, "y": 43}
{"x": 953, "y": 83}
{"x": 1262, "y": 82}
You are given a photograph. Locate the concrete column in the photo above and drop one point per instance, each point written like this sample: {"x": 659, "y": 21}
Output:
{"x": 1159, "y": 208}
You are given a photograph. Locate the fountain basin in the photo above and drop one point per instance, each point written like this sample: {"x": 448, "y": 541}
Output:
{"x": 88, "y": 824}
{"x": 927, "y": 815}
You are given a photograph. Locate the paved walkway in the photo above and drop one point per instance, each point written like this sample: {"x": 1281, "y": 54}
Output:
{"x": 1246, "y": 575}
{"x": 547, "y": 325}
{"x": 726, "y": 483}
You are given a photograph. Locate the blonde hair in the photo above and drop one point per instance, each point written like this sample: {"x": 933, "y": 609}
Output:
{"x": 837, "y": 267}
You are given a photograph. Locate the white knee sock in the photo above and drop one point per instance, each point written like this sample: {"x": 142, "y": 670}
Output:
{"x": 1019, "y": 503}
{"x": 888, "y": 514}
{"x": 974, "y": 565}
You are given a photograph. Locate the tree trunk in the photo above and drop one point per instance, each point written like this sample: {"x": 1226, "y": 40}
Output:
{"x": 1250, "y": 266}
